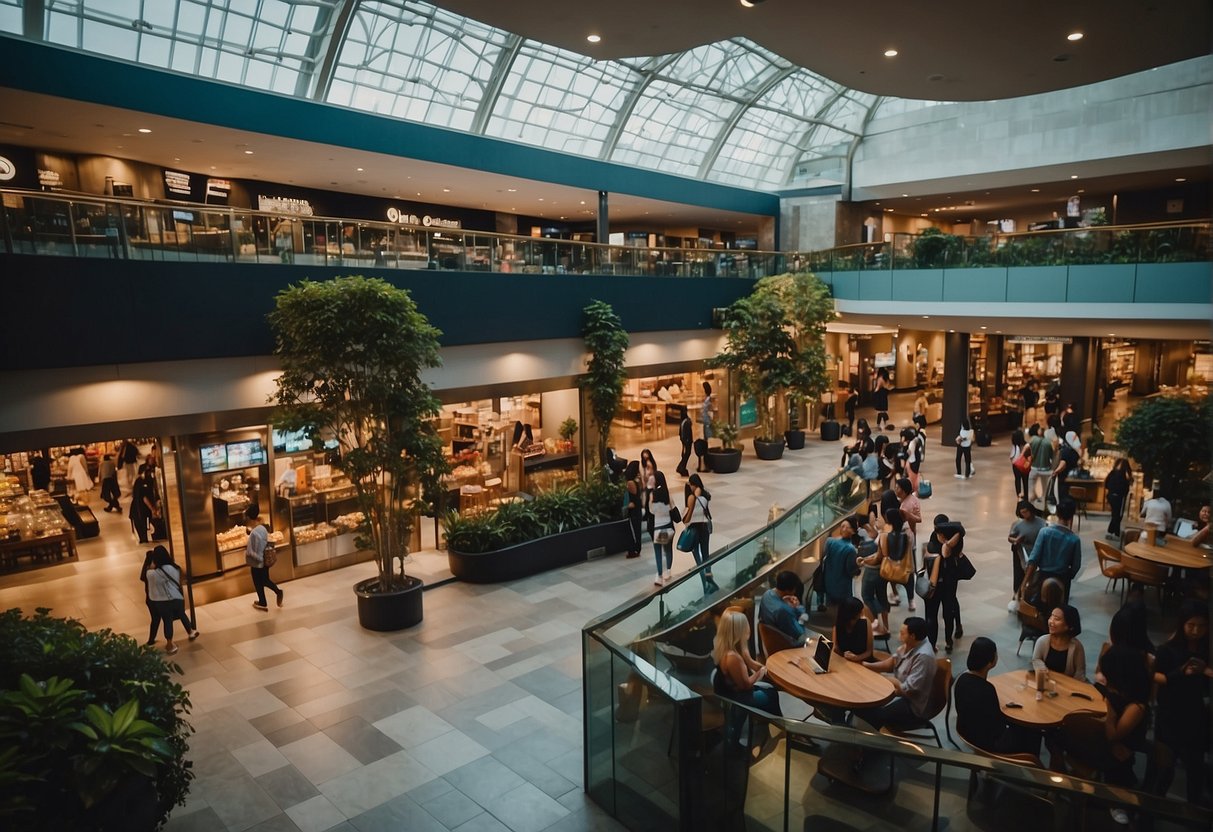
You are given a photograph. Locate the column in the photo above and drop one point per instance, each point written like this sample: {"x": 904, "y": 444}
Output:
{"x": 955, "y": 385}
{"x": 603, "y": 234}
{"x": 1078, "y": 377}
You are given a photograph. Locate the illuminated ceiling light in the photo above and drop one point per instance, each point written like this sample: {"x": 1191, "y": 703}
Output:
{"x": 1074, "y": 36}
{"x": 924, "y": 317}
{"x": 593, "y": 38}
{"x": 1073, "y": 175}
{"x": 984, "y": 327}
{"x": 890, "y": 53}
{"x": 145, "y": 130}
{"x": 905, "y": 194}
{"x": 1181, "y": 179}
{"x": 511, "y": 190}
{"x": 749, "y": 4}
{"x": 248, "y": 153}
{"x": 1036, "y": 190}
{"x": 358, "y": 169}
{"x": 446, "y": 190}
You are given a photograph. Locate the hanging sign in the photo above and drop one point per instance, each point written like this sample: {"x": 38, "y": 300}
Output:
{"x": 284, "y": 205}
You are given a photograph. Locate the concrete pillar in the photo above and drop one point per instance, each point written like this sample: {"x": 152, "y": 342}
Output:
{"x": 955, "y": 385}
{"x": 1078, "y": 377}
{"x": 604, "y": 219}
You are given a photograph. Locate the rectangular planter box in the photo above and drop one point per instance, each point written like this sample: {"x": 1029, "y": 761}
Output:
{"x": 540, "y": 555}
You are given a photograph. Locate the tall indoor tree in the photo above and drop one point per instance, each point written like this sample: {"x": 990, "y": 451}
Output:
{"x": 606, "y": 341}
{"x": 352, "y": 351}
{"x": 809, "y": 307}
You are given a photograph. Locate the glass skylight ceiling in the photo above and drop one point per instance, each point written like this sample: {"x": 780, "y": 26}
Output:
{"x": 729, "y": 112}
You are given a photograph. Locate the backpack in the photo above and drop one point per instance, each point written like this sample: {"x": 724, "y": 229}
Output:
{"x": 895, "y": 566}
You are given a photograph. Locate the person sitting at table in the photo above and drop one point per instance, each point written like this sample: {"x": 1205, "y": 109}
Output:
{"x": 913, "y": 668}
{"x": 979, "y": 719}
{"x": 838, "y": 567}
{"x": 1182, "y": 674}
{"x": 852, "y": 633}
{"x": 1057, "y": 552}
{"x": 736, "y": 678}
{"x": 780, "y": 607}
{"x": 1157, "y": 510}
{"x": 1127, "y": 696}
{"x": 1060, "y": 649}
{"x": 1201, "y": 535}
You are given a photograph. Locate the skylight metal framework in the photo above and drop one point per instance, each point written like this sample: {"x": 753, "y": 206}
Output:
{"x": 730, "y": 112}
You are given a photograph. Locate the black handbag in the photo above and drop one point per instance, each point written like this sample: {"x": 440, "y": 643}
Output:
{"x": 965, "y": 570}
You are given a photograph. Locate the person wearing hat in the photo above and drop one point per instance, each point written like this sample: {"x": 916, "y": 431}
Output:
{"x": 1022, "y": 538}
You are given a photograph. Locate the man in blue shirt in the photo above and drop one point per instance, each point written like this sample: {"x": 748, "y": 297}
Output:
{"x": 1057, "y": 552}
{"x": 780, "y": 607}
{"x": 838, "y": 566}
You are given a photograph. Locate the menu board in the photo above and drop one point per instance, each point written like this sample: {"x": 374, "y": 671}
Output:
{"x": 245, "y": 453}
{"x": 291, "y": 441}
{"x": 214, "y": 458}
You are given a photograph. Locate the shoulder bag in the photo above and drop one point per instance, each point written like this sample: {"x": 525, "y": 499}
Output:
{"x": 270, "y": 556}
{"x": 1023, "y": 462}
{"x": 690, "y": 535}
{"x": 922, "y": 580}
{"x": 895, "y": 566}
{"x": 965, "y": 570}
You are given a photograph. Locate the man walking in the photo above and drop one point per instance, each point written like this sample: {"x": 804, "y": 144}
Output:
{"x": 686, "y": 435}
{"x": 255, "y": 556}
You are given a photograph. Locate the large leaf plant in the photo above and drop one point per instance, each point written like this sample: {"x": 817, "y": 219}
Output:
{"x": 353, "y": 350}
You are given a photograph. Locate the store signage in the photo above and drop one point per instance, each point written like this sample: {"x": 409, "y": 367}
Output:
{"x": 176, "y": 183}
{"x": 218, "y": 189}
{"x": 7, "y": 169}
{"x": 394, "y": 214}
{"x": 1040, "y": 339}
{"x": 285, "y": 205}
{"x": 747, "y": 413}
{"x": 1074, "y": 206}
{"x": 50, "y": 180}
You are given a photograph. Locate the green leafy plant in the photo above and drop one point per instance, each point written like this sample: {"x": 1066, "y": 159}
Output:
{"x": 352, "y": 351}
{"x": 1168, "y": 436}
{"x": 567, "y": 429}
{"x": 552, "y": 512}
{"x": 727, "y": 432}
{"x": 91, "y": 725}
{"x": 606, "y": 341}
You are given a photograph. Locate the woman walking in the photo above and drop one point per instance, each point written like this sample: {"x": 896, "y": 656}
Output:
{"x": 152, "y": 609}
{"x": 77, "y": 474}
{"x": 1117, "y": 485}
{"x": 945, "y": 577}
{"x": 964, "y": 449}
{"x": 1018, "y": 443}
{"x": 633, "y": 505}
{"x": 164, "y": 589}
{"x": 880, "y": 398}
{"x": 873, "y": 588}
{"x": 698, "y": 518}
{"x": 663, "y": 530}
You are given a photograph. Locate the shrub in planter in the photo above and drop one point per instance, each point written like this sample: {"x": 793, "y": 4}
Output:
{"x": 92, "y": 728}
{"x": 552, "y": 512}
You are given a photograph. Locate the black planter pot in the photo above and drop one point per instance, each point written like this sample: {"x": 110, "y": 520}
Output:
{"x": 396, "y": 609}
{"x": 795, "y": 439}
{"x": 724, "y": 461}
{"x": 535, "y": 556}
{"x": 768, "y": 448}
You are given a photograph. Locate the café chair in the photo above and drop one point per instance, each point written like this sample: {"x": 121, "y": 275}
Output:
{"x": 1144, "y": 572}
{"x": 1109, "y": 564}
{"x": 1130, "y": 534}
{"x": 1022, "y": 758}
{"x": 773, "y": 640}
{"x": 1081, "y": 496}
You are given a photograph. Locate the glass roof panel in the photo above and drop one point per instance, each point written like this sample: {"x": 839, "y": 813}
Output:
{"x": 560, "y": 100}
{"x": 732, "y": 68}
{"x": 672, "y": 128}
{"x": 758, "y": 151}
{"x": 10, "y": 16}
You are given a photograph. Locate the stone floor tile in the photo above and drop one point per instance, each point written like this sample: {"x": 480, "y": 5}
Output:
{"x": 287, "y": 786}
{"x": 315, "y": 815}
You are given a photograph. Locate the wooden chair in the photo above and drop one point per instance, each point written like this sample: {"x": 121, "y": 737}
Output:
{"x": 773, "y": 640}
{"x": 1032, "y": 622}
{"x": 1081, "y": 495}
{"x": 1109, "y": 563}
{"x": 1132, "y": 534}
{"x": 1023, "y": 759}
{"x": 1144, "y": 572}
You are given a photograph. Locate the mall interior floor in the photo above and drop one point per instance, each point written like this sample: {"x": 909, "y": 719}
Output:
{"x": 472, "y": 720}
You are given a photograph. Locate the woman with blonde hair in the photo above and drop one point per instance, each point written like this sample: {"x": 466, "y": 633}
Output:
{"x": 736, "y": 678}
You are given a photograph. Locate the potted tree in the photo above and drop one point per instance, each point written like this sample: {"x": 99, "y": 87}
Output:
{"x": 352, "y": 351}
{"x": 1168, "y": 436}
{"x": 567, "y": 430}
{"x": 809, "y": 307}
{"x": 727, "y": 458}
{"x": 606, "y": 341}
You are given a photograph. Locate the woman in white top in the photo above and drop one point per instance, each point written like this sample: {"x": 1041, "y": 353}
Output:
{"x": 164, "y": 590}
{"x": 699, "y": 519}
{"x": 663, "y": 530}
{"x": 77, "y": 472}
{"x": 964, "y": 450}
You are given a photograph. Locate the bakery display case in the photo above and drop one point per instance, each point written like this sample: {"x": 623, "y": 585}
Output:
{"x": 33, "y": 531}
{"x": 323, "y": 523}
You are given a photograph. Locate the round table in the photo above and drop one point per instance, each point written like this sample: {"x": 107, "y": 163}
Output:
{"x": 1049, "y": 711}
{"x": 1176, "y": 553}
{"x": 848, "y": 685}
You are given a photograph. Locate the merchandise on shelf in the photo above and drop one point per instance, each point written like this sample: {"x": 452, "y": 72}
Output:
{"x": 234, "y": 538}
{"x": 349, "y": 522}
{"x": 312, "y": 533}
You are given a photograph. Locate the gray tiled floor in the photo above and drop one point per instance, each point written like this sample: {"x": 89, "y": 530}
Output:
{"x": 472, "y": 720}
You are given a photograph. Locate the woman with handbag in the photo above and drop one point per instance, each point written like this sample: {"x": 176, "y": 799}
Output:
{"x": 164, "y": 590}
{"x": 664, "y": 516}
{"x": 894, "y": 544}
{"x": 945, "y": 571}
{"x": 696, "y": 535}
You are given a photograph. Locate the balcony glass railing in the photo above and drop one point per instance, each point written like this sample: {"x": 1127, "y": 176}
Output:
{"x": 129, "y": 229}
{"x": 663, "y": 752}
{"x": 1157, "y": 243}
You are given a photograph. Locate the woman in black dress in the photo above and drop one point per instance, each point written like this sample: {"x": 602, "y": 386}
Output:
{"x": 634, "y": 505}
{"x": 880, "y": 398}
{"x": 1116, "y": 485}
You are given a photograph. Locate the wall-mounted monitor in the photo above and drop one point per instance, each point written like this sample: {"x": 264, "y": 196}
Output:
{"x": 291, "y": 441}
{"x": 214, "y": 458}
{"x": 885, "y": 359}
{"x": 245, "y": 453}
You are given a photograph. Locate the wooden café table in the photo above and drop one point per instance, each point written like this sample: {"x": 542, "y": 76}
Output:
{"x": 847, "y": 685}
{"x": 1049, "y": 711}
{"x": 1176, "y": 553}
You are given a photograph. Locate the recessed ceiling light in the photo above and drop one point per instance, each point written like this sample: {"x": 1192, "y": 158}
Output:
{"x": 248, "y": 153}
{"x": 1036, "y": 190}
{"x": 924, "y": 317}
{"x": 176, "y": 158}
{"x": 446, "y": 190}
{"x": 583, "y": 202}
{"x": 145, "y": 130}
{"x": 1111, "y": 334}
{"x": 541, "y": 199}
{"x": 890, "y": 53}
{"x": 905, "y": 194}
{"x": 985, "y": 327}
{"x": 1181, "y": 179}
{"x": 951, "y": 330}
{"x": 358, "y": 169}
{"x": 1074, "y": 36}
{"x": 1073, "y": 175}
{"x": 593, "y": 38}
{"x": 511, "y": 190}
